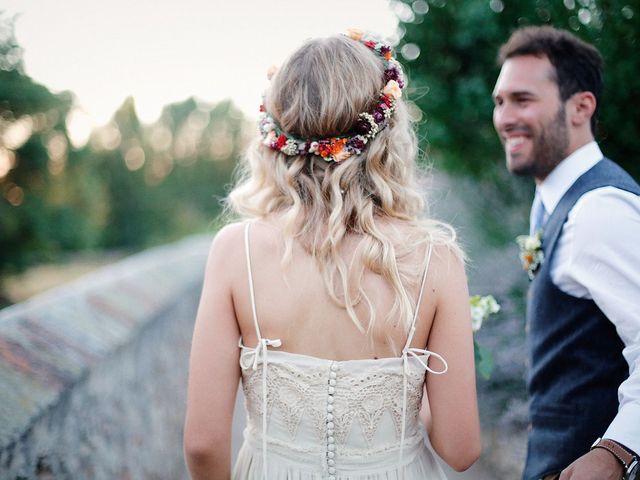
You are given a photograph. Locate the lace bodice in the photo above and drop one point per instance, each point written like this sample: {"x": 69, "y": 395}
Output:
{"x": 336, "y": 412}
{"x": 364, "y": 394}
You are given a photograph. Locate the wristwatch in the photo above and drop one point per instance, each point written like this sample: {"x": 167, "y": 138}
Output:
{"x": 628, "y": 459}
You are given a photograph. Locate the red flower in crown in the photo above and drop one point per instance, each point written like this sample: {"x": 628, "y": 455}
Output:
{"x": 324, "y": 149}
{"x": 281, "y": 141}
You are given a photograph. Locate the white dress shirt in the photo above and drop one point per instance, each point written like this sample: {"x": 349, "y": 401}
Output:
{"x": 598, "y": 257}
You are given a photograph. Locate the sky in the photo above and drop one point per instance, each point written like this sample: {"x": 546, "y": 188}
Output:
{"x": 161, "y": 51}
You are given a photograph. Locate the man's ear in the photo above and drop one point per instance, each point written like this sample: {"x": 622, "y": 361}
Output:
{"x": 580, "y": 108}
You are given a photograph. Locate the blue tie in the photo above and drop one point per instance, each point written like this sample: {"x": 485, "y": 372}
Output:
{"x": 538, "y": 215}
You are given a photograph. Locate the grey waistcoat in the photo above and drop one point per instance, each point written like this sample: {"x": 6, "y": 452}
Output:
{"x": 575, "y": 354}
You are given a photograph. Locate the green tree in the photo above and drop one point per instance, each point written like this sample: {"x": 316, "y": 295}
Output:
{"x": 45, "y": 207}
{"x": 453, "y": 76}
{"x": 165, "y": 180}
{"x": 131, "y": 186}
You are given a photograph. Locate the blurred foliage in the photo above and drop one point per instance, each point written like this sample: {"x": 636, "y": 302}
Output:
{"x": 34, "y": 209}
{"x": 133, "y": 185}
{"x": 130, "y": 186}
{"x": 454, "y": 73}
{"x": 166, "y": 180}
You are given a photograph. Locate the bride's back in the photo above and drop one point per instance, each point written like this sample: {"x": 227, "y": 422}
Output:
{"x": 293, "y": 304}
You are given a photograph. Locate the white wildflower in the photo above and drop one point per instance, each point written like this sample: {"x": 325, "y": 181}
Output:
{"x": 481, "y": 308}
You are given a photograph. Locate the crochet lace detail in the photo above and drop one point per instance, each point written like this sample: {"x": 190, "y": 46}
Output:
{"x": 360, "y": 400}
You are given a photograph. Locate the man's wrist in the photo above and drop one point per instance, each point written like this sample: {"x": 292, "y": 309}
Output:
{"x": 626, "y": 457}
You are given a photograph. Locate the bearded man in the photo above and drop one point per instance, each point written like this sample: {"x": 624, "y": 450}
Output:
{"x": 583, "y": 311}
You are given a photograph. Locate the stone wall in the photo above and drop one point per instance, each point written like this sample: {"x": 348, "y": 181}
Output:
{"x": 93, "y": 374}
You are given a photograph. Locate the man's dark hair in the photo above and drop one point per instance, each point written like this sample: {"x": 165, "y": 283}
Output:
{"x": 578, "y": 65}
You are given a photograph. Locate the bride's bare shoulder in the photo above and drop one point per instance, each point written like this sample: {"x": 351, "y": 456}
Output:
{"x": 227, "y": 245}
{"x": 229, "y": 236}
{"x": 229, "y": 241}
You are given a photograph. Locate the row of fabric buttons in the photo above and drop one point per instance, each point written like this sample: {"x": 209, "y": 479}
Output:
{"x": 331, "y": 441}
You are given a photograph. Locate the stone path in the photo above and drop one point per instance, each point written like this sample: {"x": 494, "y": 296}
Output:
{"x": 477, "y": 472}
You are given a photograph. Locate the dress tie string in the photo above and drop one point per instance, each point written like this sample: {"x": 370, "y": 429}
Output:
{"x": 416, "y": 353}
{"x": 254, "y": 355}
{"x": 251, "y": 360}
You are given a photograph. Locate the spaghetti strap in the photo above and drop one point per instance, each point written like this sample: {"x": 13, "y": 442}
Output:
{"x": 416, "y": 353}
{"x": 412, "y": 329}
{"x": 260, "y": 353}
{"x": 250, "y": 276}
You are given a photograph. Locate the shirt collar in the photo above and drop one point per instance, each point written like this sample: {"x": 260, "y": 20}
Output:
{"x": 566, "y": 173}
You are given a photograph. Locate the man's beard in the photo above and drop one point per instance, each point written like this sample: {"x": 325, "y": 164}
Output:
{"x": 550, "y": 147}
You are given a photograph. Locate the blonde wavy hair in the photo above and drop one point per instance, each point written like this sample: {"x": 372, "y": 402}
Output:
{"x": 318, "y": 93}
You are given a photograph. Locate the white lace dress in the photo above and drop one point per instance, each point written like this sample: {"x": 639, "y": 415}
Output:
{"x": 310, "y": 418}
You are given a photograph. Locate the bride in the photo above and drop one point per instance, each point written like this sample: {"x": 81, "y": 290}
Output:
{"x": 343, "y": 310}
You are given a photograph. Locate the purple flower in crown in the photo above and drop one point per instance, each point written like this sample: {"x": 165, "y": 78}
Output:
{"x": 363, "y": 127}
{"x": 392, "y": 74}
{"x": 303, "y": 148}
{"x": 356, "y": 144}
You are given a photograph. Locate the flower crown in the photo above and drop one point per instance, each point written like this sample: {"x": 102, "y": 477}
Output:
{"x": 367, "y": 127}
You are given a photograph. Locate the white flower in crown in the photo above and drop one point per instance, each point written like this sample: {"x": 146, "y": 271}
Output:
{"x": 392, "y": 90}
{"x": 354, "y": 34}
{"x": 531, "y": 253}
{"x": 271, "y": 136}
{"x": 290, "y": 148}
{"x": 341, "y": 156}
{"x": 271, "y": 71}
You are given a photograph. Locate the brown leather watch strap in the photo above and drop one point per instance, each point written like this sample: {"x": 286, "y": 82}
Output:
{"x": 616, "y": 449}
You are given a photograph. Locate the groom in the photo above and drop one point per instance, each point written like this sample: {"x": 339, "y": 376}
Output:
{"x": 583, "y": 311}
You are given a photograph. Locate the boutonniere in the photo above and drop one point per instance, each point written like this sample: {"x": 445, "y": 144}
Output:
{"x": 531, "y": 254}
